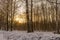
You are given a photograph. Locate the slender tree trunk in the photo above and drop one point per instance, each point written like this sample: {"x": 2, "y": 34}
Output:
{"x": 31, "y": 16}
{"x": 38, "y": 18}
{"x": 14, "y": 12}
{"x": 7, "y": 15}
{"x": 43, "y": 13}
{"x": 11, "y": 16}
{"x": 27, "y": 14}
{"x": 57, "y": 18}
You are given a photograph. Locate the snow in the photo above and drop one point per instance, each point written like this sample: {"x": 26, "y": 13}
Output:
{"x": 22, "y": 35}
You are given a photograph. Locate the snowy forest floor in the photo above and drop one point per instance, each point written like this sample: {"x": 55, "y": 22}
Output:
{"x": 22, "y": 35}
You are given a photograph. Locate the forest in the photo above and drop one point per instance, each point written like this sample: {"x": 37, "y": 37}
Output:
{"x": 30, "y": 15}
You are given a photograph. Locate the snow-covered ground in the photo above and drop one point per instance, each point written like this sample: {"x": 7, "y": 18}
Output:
{"x": 22, "y": 35}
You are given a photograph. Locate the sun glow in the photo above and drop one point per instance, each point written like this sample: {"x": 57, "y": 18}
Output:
{"x": 19, "y": 19}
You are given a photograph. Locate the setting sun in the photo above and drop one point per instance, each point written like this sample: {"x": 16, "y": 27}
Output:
{"x": 19, "y": 19}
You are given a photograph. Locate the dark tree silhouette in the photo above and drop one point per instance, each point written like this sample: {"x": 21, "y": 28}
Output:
{"x": 27, "y": 13}
{"x": 7, "y": 14}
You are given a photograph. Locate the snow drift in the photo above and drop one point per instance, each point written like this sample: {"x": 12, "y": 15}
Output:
{"x": 22, "y": 35}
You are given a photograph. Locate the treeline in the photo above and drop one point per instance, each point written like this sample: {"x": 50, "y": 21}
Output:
{"x": 41, "y": 15}
{"x": 42, "y": 26}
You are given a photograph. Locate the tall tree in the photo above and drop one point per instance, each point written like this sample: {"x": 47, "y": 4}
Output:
{"x": 7, "y": 14}
{"x": 31, "y": 16}
{"x": 27, "y": 13}
{"x": 57, "y": 18}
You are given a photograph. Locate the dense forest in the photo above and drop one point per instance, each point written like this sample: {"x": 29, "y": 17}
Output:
{"x": 30, "y": 15}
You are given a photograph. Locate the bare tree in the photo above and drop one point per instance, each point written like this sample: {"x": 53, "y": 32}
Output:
{"x": 31, "y": 16}
{"x": 27, "y": 13}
